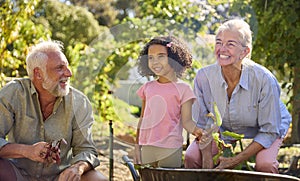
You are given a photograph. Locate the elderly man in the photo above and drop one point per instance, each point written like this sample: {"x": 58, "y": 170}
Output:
{"x": 41, "y": 109}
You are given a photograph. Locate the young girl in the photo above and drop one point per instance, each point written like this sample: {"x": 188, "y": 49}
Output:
{"x": 166, "y": 103}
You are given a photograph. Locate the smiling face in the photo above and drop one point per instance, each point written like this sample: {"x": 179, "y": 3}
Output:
{"x": 228, "y": 49}
{"x": 57, "y": 75}
{"x": 158, "y": 62}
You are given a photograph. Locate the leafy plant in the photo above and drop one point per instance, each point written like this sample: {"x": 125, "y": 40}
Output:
{"x": 224, "y": 149}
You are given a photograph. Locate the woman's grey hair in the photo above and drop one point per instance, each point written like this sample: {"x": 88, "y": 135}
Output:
{"x": 38, "y": 55}
{"x": 243, "y": 29}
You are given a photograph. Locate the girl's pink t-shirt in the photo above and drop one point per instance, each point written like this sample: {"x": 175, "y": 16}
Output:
{"x": 161, "y": 125}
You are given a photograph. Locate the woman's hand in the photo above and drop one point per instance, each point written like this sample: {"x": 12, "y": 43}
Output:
{"x": 232, "y": 162}
{"x": 229, "y": 163}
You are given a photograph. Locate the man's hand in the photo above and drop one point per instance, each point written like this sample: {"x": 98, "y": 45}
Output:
{"x": 40, "y": 152}
{"x": 36, "y": 152}
{"x": 74, "y": 172}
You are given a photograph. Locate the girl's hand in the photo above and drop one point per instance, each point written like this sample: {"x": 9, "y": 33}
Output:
{"x": 198, "y": 132}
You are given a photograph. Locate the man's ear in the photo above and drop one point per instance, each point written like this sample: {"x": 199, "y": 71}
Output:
{"x": 37, "y": 73}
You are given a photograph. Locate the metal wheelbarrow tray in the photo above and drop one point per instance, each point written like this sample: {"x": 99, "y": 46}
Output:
{"x": 182, "y": 174}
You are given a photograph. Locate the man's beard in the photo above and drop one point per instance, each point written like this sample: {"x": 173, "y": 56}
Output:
{"x": 54, "y": 87}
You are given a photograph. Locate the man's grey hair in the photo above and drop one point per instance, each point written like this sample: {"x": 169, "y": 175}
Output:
{"x": 38, "y": 55}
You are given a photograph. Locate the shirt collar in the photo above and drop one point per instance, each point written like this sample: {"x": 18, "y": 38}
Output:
{"x": 32, "y": 88}
{"x": 244, "y": 80}
{"x": 221, "y": 80}
{"x": 33, "y": 91}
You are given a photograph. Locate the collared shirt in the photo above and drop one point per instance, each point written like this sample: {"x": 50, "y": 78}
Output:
{"x": 254, "y": 109}
{"x": 22, "y": 122}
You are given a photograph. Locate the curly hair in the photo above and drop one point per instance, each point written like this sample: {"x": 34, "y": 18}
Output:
{"x": 179, "y": 57}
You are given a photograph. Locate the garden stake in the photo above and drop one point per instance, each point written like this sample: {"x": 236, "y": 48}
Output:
{"x": 111, "y": 149}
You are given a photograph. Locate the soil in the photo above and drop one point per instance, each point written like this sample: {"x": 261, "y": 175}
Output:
{"x": 123, "y": 145}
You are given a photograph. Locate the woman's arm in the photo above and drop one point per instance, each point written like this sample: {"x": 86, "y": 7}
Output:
{"x": 232, "y": 162}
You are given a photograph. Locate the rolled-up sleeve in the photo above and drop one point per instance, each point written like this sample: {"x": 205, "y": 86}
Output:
{"x": 200, "y": 108}
{"x": 269, "y": 116}
{"x": 286, "y": 120}
{"x": 5, "y": 124}
{"x": 6, "y": 112}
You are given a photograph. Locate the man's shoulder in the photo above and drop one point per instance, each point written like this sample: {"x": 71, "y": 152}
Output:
{"x": 77, "y": 93}
{"x": 17, "y": 84}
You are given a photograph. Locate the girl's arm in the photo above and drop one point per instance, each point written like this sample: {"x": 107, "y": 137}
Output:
{"x": 140, "y": 122}
{"x": 137, "y": 157}
{"x": 187, "y": 121}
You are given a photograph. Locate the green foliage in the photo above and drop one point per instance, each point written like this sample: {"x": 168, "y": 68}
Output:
{"x": 221, "y": 147}
{"x": 69, "y": 24}
{"x": 18, "y": 33}
{"x": 180, "y": 11}
{"x": 218, "y": 117}
{"x": 233, "y": 135}
{"x": 225, "y": 150}
{"x": 100, "y": 56}
{"x": 277, "y": 47}
{"x": 91, "y": 67}
{"x": 278, "y": 37}
{"x": 86, "y": 49}
{"x": 103, "y": 11}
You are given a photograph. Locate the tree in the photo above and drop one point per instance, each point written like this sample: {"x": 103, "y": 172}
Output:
{"x": 126, "y": 8}
{"x": 277, "y": 46}
{"x": 18, "y": 33}
{"x": 77, "y": 28}
{"x": 170, "y": 17}
{"x": 276, "y": 36}
{"x": 103, "y": 10}
{"x": 69, "y": 24}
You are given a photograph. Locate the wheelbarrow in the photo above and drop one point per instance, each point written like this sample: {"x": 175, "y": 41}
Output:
{"x": 180, "y": 174}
